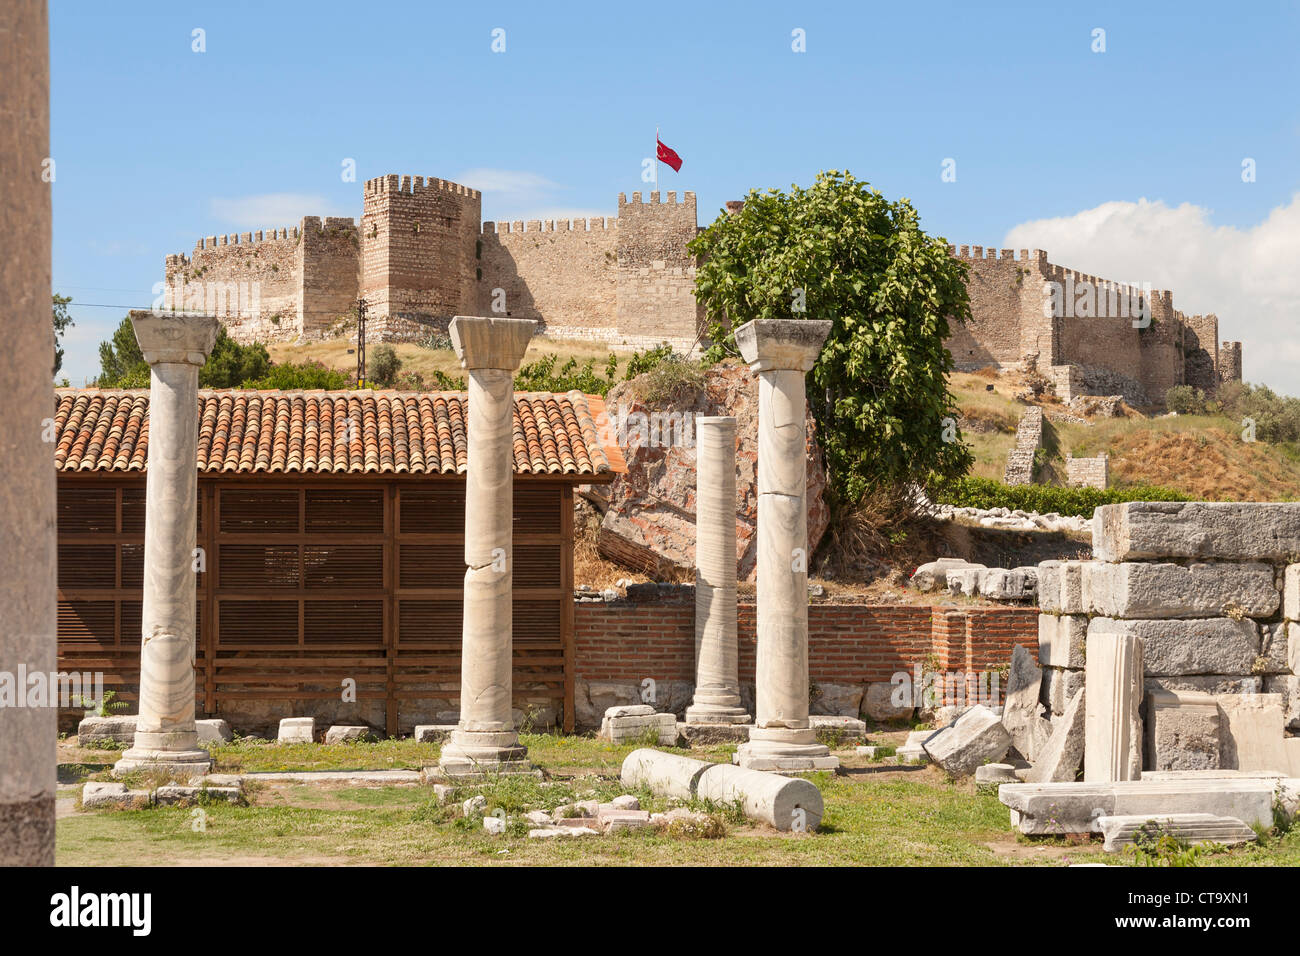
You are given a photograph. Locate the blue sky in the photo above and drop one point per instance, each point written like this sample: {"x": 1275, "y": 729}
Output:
{"x": 1125, "y": 163}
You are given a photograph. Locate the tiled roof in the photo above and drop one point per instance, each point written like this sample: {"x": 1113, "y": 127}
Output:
{"x": 357, "y": 431}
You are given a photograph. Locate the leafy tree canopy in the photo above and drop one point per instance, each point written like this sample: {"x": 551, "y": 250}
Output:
{"x": 840, "y": 250}
{"x": 62, "y": 322}
{"x": 122, "y": 365}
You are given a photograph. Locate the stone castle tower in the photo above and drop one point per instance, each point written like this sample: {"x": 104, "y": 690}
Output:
{"x": 422, "y": 254}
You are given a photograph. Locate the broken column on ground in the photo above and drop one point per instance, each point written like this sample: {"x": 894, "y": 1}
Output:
{"x": 485, "y": 740}
{"x": 175, "y": 346}
{"x": 28, "y": 580}
{"x": 782, "y": 352}
{"x": 717, "y": 656}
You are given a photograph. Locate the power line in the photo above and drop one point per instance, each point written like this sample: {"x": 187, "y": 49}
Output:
{"x": 233, "y": 315}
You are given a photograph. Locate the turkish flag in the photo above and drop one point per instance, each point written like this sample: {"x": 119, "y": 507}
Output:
{"x": 667, "y": 155}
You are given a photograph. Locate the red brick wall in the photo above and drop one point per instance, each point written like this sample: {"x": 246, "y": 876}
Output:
{"x": 849, "y": 643}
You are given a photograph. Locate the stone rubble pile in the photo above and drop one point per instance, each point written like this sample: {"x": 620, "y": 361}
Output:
{"x": 1205, "y": 598}
{"x": 1169, "y": 664}
{"x": 1012, "y": 519}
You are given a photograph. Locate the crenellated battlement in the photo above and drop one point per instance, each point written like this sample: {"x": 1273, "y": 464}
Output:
{"x": 413, "y": 185}
{"x": 247, "y": 238}
{"x": 317, "y": 224}
{"x": 594, "y": 224}
{"x": 687, "y": 203}
{"x": 1007, "y": 255}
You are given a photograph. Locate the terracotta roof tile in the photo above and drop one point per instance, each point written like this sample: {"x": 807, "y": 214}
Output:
{"x": 345, "y": 431}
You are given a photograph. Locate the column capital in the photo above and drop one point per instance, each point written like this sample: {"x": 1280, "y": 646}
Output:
{"x": 490, "y": 342}
{"x": 175, "y": 337}
{"x": 793, "y": 344}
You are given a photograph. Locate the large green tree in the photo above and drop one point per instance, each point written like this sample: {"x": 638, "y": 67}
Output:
{"x": 840, "y": 250}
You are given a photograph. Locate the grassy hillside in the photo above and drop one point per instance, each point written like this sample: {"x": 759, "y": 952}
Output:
{"x": 339, "y": 354}
{"x": 1202, "y": 456}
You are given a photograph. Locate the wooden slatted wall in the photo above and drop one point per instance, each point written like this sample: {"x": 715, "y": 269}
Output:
{"x": 309, "y": 583}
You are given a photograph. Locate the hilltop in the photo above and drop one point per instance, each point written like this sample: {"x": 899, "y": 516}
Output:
{"x": 1201, "y": 455}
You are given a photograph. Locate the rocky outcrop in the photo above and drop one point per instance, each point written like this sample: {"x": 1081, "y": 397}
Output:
{"x": 650, "y": 522}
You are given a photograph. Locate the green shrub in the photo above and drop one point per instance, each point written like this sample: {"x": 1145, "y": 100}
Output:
{"x": 542, "y": 376}
{"x": 384, "y": 365}
{"x": 1185, "y": 400}
{"x": 972, "y": 492}
{"x": 1276, "y": 417}
{"x": 306, "y": 375}
{"x": 642, "y": 362}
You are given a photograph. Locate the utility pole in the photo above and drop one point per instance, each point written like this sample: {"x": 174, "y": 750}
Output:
{"x": 361, "y": 343}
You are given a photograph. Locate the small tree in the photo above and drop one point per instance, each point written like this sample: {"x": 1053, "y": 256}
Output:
{"x": 62, "y": 322}
{"x": 384, "y": 365}
{"x": 122, "y": 364}
{"x": 839, "y": 250}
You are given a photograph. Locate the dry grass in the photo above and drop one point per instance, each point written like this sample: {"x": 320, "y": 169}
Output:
{"x": 589, "y": 567}
{"x": 338, "y": 354}
{"x": 1200, "y": 455}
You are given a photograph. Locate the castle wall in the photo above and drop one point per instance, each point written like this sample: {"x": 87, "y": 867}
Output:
{"x": 418, "y": 242}
{"x": 562, "y": 274}
{"x": 1008, "y": 321}
{"x": 1162, "y": 349}
{"x": 1201, "y": 351}
{"x": 251, "y": 281}
{"x": 1230, "y": 362}
{"x": 328, "y": 264}
{"x": 422, "y": 255}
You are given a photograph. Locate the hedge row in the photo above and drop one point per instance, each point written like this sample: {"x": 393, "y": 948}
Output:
{"x": 971, "y": 492}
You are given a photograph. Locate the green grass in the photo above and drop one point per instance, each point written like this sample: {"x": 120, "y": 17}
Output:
{"x": 875, "y": 815}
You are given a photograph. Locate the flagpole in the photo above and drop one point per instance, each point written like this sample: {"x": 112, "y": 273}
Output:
{"x": 656, "y": 159}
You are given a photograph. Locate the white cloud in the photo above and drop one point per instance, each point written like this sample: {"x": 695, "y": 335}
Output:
{"x": 273, "y": 210}
{"x": 512, "y": 194}
{"x": 1249, "y": 277}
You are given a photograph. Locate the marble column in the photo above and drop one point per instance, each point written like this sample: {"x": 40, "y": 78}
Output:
{"x": 717, "y": 681}
{"x": 28, "y": 578}
{"x": 485, "y": 741}
{"x": 782, "y": 351}
{"x": 175, "y": 345}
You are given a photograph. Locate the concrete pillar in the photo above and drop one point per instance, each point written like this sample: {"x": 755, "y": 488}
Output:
{"x": 28, "y": 579}
{"x": 490, "y": 349}
{"x": 175, "y": 346}
{"x": 782, "y": 351}
{"x": 717, "y": 679}
{"x": 1112, "y": 718}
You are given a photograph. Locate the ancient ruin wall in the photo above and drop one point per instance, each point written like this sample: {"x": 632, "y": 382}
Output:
{"x": 1087, "y": 472}
{"x": 418, "y": 244}
{"x": 561, "y": 273}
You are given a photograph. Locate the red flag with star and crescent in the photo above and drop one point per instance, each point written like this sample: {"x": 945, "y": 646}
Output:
{"x": 669, "y": 156}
